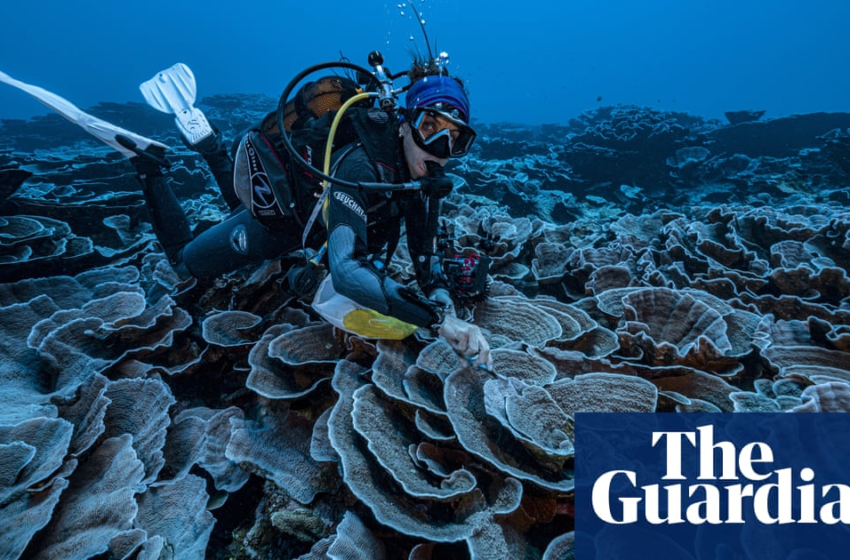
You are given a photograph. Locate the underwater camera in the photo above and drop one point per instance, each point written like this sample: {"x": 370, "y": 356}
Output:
{"x": 465, "y": 274}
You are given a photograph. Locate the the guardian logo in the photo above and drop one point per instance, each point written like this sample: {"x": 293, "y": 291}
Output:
{"x": 750, "y": 484}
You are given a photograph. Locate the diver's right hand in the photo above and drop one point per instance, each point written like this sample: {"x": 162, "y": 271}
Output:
{"x": 149, "y": 162}
{"x": 467, "y": 340}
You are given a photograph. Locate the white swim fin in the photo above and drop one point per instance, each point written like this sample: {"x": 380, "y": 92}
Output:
{"x": 99, "y": 128}
{"x": 173, "y": 91}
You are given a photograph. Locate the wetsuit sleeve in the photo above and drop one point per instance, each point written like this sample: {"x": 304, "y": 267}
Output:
{"x": 354, "y": 276}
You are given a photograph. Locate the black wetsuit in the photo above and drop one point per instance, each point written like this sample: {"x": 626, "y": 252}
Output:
{"x": 361, "y": 225}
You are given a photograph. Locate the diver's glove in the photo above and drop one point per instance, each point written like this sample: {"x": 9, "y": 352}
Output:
{"x": 436, "y": 185}
{"x": 464, "y": 337}
{"x": 467, "y": 340}
{"x": 149, "y": 162}
{"x": 302, "y": 281}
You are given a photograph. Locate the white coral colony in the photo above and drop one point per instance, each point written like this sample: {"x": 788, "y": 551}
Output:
{"x": 143, "y": 418}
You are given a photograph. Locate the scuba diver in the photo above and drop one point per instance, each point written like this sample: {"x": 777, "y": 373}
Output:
{"x": 388, "y": 171}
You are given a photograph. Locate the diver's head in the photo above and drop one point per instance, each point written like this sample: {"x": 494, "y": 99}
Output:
{"x": 437, "y": 110}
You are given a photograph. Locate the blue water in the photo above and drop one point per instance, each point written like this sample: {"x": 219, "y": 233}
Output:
{"x": 526, "y": 62}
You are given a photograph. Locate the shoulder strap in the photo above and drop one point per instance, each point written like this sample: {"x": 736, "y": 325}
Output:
{"x": 321, "y": 202}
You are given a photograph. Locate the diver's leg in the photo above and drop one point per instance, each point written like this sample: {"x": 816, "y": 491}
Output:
{"x": 167, "y": 216}
{"x": 238, "y": 241}
{"x": 169, "y": 222}
{"x": 214, "y": 151}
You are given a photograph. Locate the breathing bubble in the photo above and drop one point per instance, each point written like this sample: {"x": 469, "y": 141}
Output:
{"x": 411, "y": 38}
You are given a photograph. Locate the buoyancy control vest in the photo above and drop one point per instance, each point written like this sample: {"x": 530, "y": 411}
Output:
{"x": 275, "y": 188}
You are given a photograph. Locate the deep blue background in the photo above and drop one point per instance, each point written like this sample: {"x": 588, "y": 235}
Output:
{"x": 527, "y": 62}
{"x": 606, "y": 442}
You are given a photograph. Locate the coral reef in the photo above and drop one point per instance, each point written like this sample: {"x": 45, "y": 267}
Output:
{"x": 641, "y": 261}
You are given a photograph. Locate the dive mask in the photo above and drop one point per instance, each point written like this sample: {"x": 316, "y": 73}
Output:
{"x": 440, "y": 133}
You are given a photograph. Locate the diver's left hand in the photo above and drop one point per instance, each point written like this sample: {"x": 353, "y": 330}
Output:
{"x": 467, "y": 340}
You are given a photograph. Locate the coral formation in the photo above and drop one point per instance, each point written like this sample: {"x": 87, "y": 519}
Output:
{"x": 642, "y": 261}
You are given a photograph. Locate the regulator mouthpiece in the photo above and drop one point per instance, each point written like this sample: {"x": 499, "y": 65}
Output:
{"x": 435, "y": 169}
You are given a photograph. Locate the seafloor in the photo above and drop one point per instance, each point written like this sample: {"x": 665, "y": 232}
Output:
{"x": 642, "y": 261}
